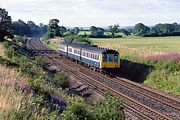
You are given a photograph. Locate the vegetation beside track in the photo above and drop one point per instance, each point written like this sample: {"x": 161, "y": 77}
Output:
{"x": 44, "y": 94}
{"x": 139, "y": 65}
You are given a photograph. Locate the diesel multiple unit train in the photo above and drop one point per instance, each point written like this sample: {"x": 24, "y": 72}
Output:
{"x": 100, "y": 59}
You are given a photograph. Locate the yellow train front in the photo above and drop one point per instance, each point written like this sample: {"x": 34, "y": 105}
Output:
{"x": 100, "y": 59}
{"x": 109, "y": 60}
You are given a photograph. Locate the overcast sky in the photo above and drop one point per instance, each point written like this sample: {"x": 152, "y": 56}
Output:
{"x": 94, "y": 12}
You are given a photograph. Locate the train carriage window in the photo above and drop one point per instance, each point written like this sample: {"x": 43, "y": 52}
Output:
{"x": 116, "y": 58}
{"x": 75, "y": 51}
{"x": 70, "y": 49}
{"x": 78, "y": 52}
{"x": 89, "y": 55}
{"x": 97, "y": 57}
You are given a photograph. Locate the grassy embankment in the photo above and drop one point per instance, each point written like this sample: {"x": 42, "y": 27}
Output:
{"x": 10, "y": 99}
{"x": 52, "y": 44}
{"x": 164, "y": 75}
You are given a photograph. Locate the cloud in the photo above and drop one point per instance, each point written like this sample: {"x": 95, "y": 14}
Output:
{"x": 93, "y": 12}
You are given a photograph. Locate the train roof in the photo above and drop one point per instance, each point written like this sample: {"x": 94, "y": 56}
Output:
{"x": 90, "y": 48}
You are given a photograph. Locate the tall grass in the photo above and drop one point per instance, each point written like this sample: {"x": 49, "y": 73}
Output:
{"x": 165, "y": 76}
{"x": 10, "y": 98}
{"x": 1, "y": 50}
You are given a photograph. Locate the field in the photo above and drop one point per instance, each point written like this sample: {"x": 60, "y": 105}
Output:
{"x": 140, "y": 45}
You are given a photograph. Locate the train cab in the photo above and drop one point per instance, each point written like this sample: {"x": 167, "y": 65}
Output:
{"x": 110, "y": 60}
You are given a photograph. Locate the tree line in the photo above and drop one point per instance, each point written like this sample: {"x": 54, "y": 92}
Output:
{"x": 30, "y": 29}
{"x": 158, "y": 30}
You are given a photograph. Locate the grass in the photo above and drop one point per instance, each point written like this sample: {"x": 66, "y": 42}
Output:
{"x": 84, "y": 32}
{"x": 52, "y": 44}
{"x": 1, "y": 50}
{"x": 9, "y": 97}
{"x": 141, "y": 44}
{"x": 168, "y": 82}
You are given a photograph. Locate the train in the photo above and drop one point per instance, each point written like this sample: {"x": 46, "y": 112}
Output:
{"x": 92, "y": 56}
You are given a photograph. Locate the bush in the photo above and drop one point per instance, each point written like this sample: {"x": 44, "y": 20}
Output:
{"x": 18, "y": 39}
{"x": 77, "y": 39}
{"x": 10, "y": 52}
{"x": 78, "y": 111}
{"x": 61, "y": 80}
{"x": 40, "y": 62}
{"x": 36, "y": 109}
{"x": 48, "y": 35}
{"x": 109, "y": 109}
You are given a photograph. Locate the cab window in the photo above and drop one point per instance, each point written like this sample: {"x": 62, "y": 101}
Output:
{"x": 115, "y": 58}
{"x": 104, "y": 58}
{"x": 109, "y": 58}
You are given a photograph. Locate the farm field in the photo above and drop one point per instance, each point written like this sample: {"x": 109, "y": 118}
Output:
{"x": 142, "y": 45}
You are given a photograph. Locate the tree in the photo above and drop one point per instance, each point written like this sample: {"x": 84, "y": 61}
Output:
{"x": 126, "y": 32}
{"x": 100, "y": 31}
{"x": 93, "y": 30}
{"x": 62, "y": 30}
{"x": 76, "y": 30}
{"x": 96, "y": 31}
{"x": 165, "y": 29}
{"x": 21, "y": 28}
{"x": 43, "y": 29}
{"x": 53, "y": 27}
{"x": 113, "y": 29}
{"x": 141, "y": 30}
{"x": 35, "y": 30}
{"x": 5, "y": 22}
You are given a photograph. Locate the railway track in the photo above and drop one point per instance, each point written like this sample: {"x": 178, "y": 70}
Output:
{"x": 151, "y": 104}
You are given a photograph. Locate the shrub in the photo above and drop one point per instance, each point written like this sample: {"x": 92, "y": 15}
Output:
{"x": 40, "y": 62}
{"x": 47, "y": 36}
{"x": 61, "y": 80}
{"x": 78, "y": 111}
{"x": 10, "y": 52}
{"x": 109, "y": 109}
{"x": 77, "y": 39}
{"x": 34, "y": 110}
{"x": 18, "y": 39}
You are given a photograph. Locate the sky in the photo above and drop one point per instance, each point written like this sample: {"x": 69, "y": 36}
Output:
{"x": 85, "y": 13}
